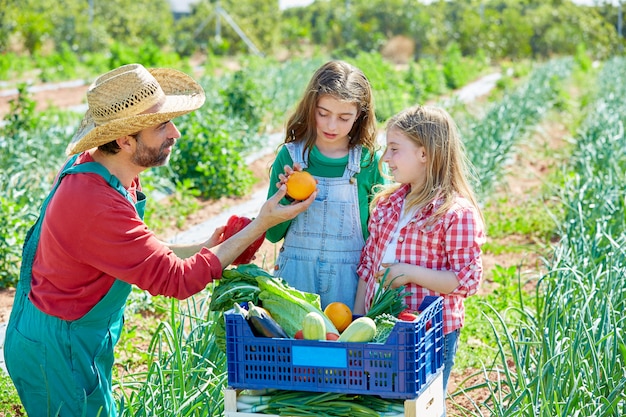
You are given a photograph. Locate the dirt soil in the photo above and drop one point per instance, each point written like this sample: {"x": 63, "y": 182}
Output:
{"x": 522, "y": 182}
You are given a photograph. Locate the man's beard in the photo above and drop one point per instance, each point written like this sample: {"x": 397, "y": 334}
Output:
{"x": 146, "y": 156}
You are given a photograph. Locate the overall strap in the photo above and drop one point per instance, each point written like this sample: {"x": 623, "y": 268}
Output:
{"x": 96, "y": 168}
{"x": 32, "y": 236}
{"x": 296, "y": 151}
{"x": 354, "y": 161}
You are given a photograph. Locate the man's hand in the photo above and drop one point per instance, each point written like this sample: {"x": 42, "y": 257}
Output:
{"x": 273, "y": 213}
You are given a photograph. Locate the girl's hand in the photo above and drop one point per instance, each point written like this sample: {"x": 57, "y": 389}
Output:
{"x": 288, "y": 171}
{"x": 440, "y": 281}
{"x": 396, "y": 277}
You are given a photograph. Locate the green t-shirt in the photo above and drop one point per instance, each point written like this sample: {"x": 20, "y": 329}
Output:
{"x": 322, "y": 166}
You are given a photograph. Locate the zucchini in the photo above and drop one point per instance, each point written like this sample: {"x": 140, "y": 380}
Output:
{"x": 313, "y": 327}
{"x": 361, "y": 330}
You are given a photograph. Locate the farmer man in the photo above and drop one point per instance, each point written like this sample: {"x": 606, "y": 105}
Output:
{"x": 90, "y": 245}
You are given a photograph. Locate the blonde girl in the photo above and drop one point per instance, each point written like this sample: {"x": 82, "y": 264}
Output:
{"x": 332, "y": 135}
{"x": 427, "y": 228}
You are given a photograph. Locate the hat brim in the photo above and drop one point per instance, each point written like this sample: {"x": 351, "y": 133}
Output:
{"x": 183, "y": 95}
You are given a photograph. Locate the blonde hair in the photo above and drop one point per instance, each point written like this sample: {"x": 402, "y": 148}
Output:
{"x": 448, "y": 172}
{"x": 343, "y": 82}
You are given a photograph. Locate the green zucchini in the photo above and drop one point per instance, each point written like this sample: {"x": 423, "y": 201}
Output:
{"x": 313, "y": 327}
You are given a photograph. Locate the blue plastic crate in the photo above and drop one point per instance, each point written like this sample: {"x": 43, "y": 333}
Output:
{"x": 400, "y": 368}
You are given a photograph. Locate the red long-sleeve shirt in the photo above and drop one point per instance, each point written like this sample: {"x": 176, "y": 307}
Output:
{"x": 92, "y": 235}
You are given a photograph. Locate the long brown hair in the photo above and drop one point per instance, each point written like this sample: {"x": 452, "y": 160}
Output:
{"x": 448, "y": 172}
{"x": 343, "y": 82}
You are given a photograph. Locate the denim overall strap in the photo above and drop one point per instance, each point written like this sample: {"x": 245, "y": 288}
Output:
{"x": 295, "y": 151}
{"x": 322, "y": 246}
{"x": 354, "y": 161}
{"x": 64, "y": 367}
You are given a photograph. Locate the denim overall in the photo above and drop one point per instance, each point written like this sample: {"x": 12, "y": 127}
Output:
{"x": 323, "y": 245}
{"x": 59, "y": 367}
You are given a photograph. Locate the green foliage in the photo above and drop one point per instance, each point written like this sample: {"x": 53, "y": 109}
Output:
{"x": 564, "y": 354}
{"x": 211, "y": 161}
{"x": 15, "y": 214}
{"x": 243, "y": 98}
{"x": 499, "y": 28}
{"x": 134, "y": 22}
{"x": 490, "y": 139}
{"x": 12, "y": 63}
{"x": 453, "y": 69}
{"x": 25, "y": 176}
{"x": 582, "y": 58}
{"x": 21, "y": 113}
{"x": 477, "y": 339}
{"x": 459, "y": 70}
{"x": 277, "y": 85}
{"x": 172, "y": 210}
{"x": 9, "y": 400}
{"x": 391, "y": 90}
{"x": 14, "y": 220}
{"x": 534, "y": 219}
{"x": 148, "y": 54}
{"x": 59, "y": 65}
{"x": 433, "y": 78}
{"x": 245, "y": 22}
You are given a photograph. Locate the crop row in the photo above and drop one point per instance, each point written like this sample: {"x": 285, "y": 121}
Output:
{"x": 568, "y": 349}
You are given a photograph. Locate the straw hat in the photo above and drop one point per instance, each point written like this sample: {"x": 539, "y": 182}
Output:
{"x": 119, "y": 102}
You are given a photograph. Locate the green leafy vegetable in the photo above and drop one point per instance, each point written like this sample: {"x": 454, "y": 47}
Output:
{"x": 288, "y": 306}
{"x": 237, "y": 285}
{"x": 384, "y": 325}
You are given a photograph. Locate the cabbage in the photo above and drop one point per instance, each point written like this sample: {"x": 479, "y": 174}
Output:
{"x": 288, "y": 306}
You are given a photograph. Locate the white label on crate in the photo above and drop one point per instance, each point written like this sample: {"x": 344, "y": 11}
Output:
{"x": 331, "y": 357}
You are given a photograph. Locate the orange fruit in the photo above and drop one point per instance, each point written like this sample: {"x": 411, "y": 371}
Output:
{"x": 339, "y": 314}
{"x": 300, "y": 185}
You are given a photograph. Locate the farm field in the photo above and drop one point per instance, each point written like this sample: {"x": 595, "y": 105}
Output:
{"x": 547, "y": 154}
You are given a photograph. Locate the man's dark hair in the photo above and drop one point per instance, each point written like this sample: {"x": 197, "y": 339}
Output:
{"x": 112, "y": 147}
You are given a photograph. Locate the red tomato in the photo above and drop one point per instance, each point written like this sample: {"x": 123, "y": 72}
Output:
{"x": 332, "y": 336}
{"x": 298, "y": 335}
{"x": 407, "y": 316}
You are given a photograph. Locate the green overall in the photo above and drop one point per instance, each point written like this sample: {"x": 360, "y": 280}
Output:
{"x": 59, "y": 367}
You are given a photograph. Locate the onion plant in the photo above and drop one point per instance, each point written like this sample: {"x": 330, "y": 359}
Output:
{"x": 566, "y": 354}
{"x": 187, "y": 372}
{"x": 491, "y": 139}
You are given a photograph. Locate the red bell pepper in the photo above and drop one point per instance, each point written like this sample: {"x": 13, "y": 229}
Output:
{"x": 235, "y": 224}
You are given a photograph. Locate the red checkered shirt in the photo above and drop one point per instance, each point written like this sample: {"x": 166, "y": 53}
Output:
{"x": 452, "y": 244}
